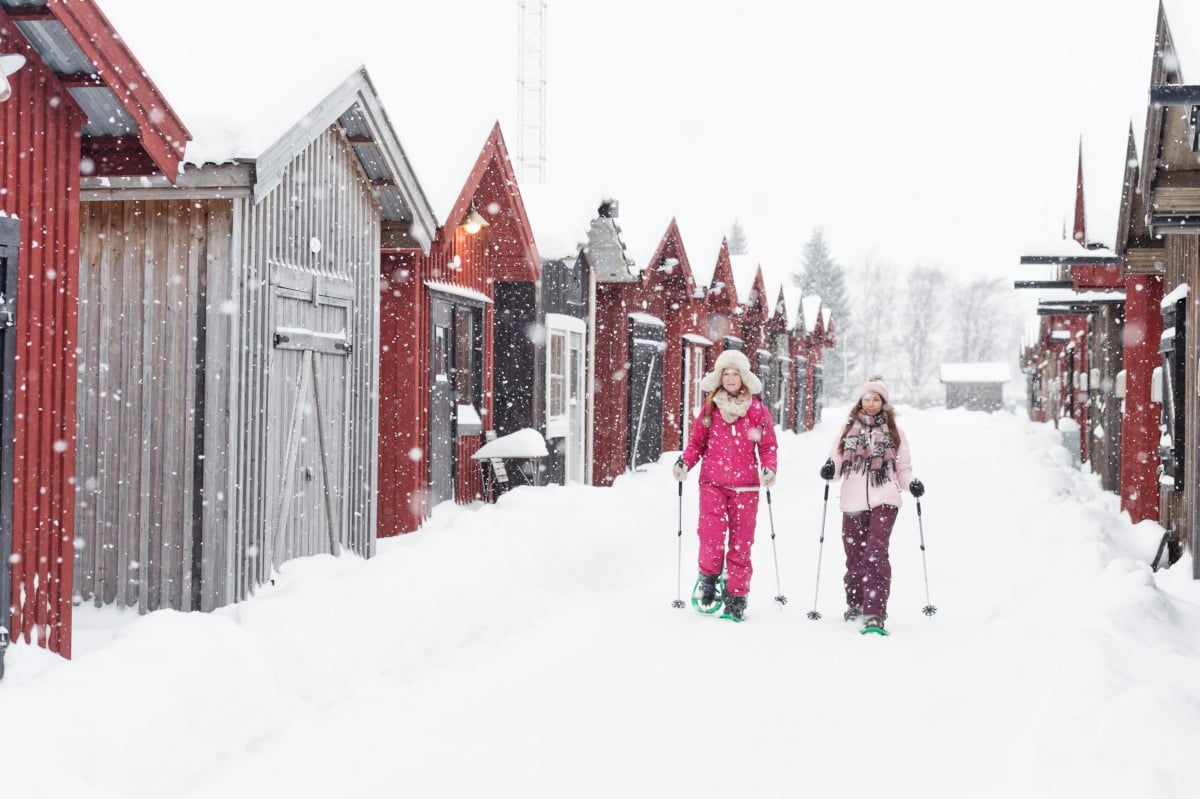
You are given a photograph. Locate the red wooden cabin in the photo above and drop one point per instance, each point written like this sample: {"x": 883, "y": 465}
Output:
{"x": 1141, "y": 256}
{"x": 670, "y": 293}
{"x": 438, "y": 392}
{"x": 722, "y": 309}
{"x": 81, "y": 102}
{"x": 812, "y": 334}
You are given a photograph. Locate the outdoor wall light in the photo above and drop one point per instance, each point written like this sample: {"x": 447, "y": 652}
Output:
{"x": 473, "y": 222}
{"x": 8, "y": 65}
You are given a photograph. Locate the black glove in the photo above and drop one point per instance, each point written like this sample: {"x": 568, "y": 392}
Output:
{"x": 916, "y": 488}
{"x": 827, "y": 470}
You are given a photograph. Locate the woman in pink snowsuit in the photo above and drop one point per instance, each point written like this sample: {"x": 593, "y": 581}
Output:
{"x": 871, "y": 459}
{"x": 732, "y": 434}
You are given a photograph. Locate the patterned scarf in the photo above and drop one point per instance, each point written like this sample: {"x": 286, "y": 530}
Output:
{"x": 869, "y": 448}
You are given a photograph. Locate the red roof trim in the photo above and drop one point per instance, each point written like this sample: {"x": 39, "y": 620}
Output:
{"x": 160, "y": 130}
{"x": 495, "y": 151}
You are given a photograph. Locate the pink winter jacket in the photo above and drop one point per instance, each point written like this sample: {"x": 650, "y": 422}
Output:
{"x": 857, "y": 492}
{"x": 728, "y": 449}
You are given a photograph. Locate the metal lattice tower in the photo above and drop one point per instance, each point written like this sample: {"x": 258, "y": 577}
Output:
{"x": 531, "y": 88}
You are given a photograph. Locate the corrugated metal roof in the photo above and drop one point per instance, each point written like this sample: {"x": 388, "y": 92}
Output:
{"x": 54, "y": 43}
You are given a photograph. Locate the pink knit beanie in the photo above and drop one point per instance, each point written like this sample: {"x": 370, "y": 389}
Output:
{"x": 874, "y": 384}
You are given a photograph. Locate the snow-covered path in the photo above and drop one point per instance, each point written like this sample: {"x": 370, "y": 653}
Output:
{"x": 529, "y": 649}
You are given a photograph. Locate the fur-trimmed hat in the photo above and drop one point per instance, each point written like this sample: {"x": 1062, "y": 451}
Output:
{"x": 736, "y": 360}
{"x": 875, "y": 384}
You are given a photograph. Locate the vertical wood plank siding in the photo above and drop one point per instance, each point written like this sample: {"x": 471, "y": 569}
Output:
{"x": 181, "y": 390}
{"x": 323, "y": 195}
{"x": 1183, "y": 266}
{"x": 39, "y": 155}
{"x": 137, "y": 401}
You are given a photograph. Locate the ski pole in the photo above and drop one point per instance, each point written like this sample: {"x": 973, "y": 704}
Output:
{"x": 779, "y": 597}
{"x": 678, "y": 603}
{"x": 929, "y": 609}
{"x": 814, "y": 614}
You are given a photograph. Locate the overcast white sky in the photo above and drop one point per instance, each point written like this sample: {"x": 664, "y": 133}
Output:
{"x": 934, "y": 132}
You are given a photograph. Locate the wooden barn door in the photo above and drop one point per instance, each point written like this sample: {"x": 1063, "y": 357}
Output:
{"x": 309, "y": 409}
{"x": 441, "y": 403}
{"x": 9, "y": 240}
{"x": 646, "y": 350}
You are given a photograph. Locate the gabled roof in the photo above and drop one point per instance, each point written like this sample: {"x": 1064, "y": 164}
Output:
{"x": 669, "y": 266}
{"x": 1132, "y": 230}
{"x": 605, "y": 248}
{"x": 1175, "y": 50}
{"x": 79, "y": 45}
{"x": 355, "y": 108}
{"x": 778, "y": 321}
{"x": 492, "y": 188}
{"x": 722, "y": 289}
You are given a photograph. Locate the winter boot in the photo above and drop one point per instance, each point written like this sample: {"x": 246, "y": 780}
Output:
{"x": 852, "y": 613}
{"x": 874, "y": 624}
{"x": 735, "y": 608}
{"x": 708, "y": 592}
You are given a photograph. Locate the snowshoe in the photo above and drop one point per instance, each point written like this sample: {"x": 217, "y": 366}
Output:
{"x": 874, "y": 624}
{"x": 852, "y": 613}
{"x": 708, "y": 592}
{"x": 735, "y": 608}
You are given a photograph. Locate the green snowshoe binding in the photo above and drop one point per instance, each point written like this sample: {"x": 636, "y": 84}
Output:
{"x": 708, "y": 593}
{"x": 873, "y": 624}
{"x": 735, "y": 608}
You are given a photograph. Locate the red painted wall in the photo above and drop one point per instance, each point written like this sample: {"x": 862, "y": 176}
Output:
{"x": 1139, "y": 421}
{"x": 611, "y": 389}
{"x": 40, "y": 155}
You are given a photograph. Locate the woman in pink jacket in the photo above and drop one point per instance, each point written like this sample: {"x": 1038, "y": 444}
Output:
{"x": 732, "y": 434}
{"x": 871, "y": 458}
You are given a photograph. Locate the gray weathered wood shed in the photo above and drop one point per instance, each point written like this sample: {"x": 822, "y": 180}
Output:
{"x": 228, "y": 373}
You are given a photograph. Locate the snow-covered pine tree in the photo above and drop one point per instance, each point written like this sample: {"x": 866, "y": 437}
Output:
{"x": 738, "y": 243}
{"x": 824, "y": 277}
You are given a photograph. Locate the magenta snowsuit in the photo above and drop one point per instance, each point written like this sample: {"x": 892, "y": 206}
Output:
{"x": 729, "y": 482}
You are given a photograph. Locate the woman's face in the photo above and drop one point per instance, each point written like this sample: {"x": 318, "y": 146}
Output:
{"x": 731, "y": 380}
{"x": 872, "y": 403}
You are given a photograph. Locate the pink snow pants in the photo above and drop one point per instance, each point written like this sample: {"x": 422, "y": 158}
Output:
{"x": 868, "y": 570}
{"x": 723, "y": 509}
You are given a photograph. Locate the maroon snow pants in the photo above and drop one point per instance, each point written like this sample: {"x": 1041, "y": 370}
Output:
{"x": 868, "y": 570}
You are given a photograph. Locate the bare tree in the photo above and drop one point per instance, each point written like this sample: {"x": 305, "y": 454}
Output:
{"x": 873, "y": 290}
{"x": 921, "y": 318}
{"x": 978, "y": 321}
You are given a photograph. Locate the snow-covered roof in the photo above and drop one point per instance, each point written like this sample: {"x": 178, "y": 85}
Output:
{"x": 1068, "y": 250}
{"x": 525, "y": 443}
{"x": 810, "y": 309}
{"x": 560, "y": 215}
{"x": 974, "y": 373}
{"x": 745, "y": 267}
{"x": 1067, "y": 296}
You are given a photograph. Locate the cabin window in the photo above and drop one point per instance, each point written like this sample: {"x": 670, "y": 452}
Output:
{"x": 467, "y": 356}
{"x": 557, "y": 384}
{"x": 693, "y": 394}
{"x": 1171, "y": 348}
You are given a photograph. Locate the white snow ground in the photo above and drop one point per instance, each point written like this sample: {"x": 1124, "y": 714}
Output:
{"x": 529, "y": 649}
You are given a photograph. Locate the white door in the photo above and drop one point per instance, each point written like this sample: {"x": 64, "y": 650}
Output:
{"x": 566, "y": 399}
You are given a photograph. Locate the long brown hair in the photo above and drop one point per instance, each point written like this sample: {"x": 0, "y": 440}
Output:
{"x": 706, "y": 420}
{"x": 888, "y": 411}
